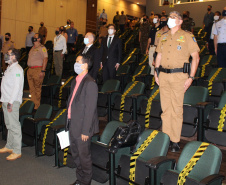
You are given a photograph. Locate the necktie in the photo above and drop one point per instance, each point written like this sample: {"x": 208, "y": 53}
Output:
{"x": 109, "y": 42}
{"x": 85, "y": 50}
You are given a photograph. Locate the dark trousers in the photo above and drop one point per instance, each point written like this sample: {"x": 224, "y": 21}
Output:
{"x": 69, "y": 47}
{"x": 81, "y": 154}
{"x": 211, "y": 47}
{"x": 28, "y": 49}
{"x": 122, "y": 28}
{"x": 221, "y": 55}
{"x": 109, "y": 72}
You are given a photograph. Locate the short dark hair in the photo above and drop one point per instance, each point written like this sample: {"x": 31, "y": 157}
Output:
{"x": 159, "y": 16}
{"x": 86, "y": 60}
{"x": 210, "y": 6}
{"x": 40, "y": 37}
{"x": 112, "y": 25}
{"x": 15, "y": 52}
{"x": 8, "y": 34}
{"x": 219, "y": 13}
{"x": 31, "y": 27}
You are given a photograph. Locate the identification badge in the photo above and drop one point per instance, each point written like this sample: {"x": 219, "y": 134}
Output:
{"x": 179, "y": 47}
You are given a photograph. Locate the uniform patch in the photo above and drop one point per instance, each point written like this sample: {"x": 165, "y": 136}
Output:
{"x": 179, "y": 47}
{"x": 164, "y": 39}
{"x": 194, "y": 39}
{"x": 157, "y": 29}
{"x": 181, "y": 39}
{"x": 17, "y": 75}
{"x": 159, "y": 35}
{"x": 44, "y": 49}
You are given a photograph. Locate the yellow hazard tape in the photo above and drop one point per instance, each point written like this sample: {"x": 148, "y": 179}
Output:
{"x": 25, "y": 70}
{"x": 22, "y": 57}
{"x": 210, "y": 85}
{"x": 204, "y": 35}
{"x": 123, "y": 34}
{"x": 145, "y": 59}
{"x": 23, "y": 103}
{"x": 202, "y": 49}
{"x": 153, "y": 83}
{"x": 123, "y": 100}
{"x": 47, "y": 128}
{"x": 141, "y": 70}
{"x": 204, "y": 65}
{"x": 222, "y": 119}
{"x": 61, "y": 89}
{"x": 148, "y": 109}
{"x": 127, "y": 42}
{"x": 0, "y": 106}
{"x": 78, "y": 52}
{"x": 190, "y": 165}
{"x": 130, "y": 55}
{"x": 65, "y": 156}
{"x": 139, "y": 151}
{"x": 199, "y": 31}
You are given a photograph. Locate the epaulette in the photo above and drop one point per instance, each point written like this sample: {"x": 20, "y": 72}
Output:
{"x": 188, "y": 32}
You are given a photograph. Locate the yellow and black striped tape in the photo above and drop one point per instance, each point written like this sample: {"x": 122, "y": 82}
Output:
{"x": 222, "y": 119}
{"x": 145, "y": 59}
{"x": 210, "y": 85}
{"x": 65, "y": 156}
{"x": 61, "y": 89}
{"x": 153, "y": 83}
{"x": 23, "y": 103}
{"x": 148, "y": 109}
{"x": 202, "y": 49}
{"x": 130, "y": 55}
{"x": 139, "y": 151}
{"x": 190, "y": 165}
{"x": 127, "y": 42}
{"x": 47, "y": 128}
{"x": 123, "y": 100}
{"x": 204, "y": 65}
{"x": 141, "y": 70}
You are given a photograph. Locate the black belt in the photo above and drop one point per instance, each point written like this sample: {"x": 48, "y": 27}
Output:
{"x": 58, "y": 50}
{"x": 175, "y": 70}
{"x": 222, "y": 44}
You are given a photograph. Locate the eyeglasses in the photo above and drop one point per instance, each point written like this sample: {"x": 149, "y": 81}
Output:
{"x": 174, "y": 17}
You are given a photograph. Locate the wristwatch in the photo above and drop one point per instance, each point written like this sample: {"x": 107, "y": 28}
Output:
{"x": 192, "y": 77}
{"x": 43, "y": 71}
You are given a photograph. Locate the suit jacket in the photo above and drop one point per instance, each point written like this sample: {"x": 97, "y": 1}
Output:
{"x": 95, "y": 56}
{"x": 113, "y": 53}
{"x": 84, "y": 118}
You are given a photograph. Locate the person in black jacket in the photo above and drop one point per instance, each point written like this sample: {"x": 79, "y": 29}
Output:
{"x": 82, "y": 119}
{"x": 111, "y": 51}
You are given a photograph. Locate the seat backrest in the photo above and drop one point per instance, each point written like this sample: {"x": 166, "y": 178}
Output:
{"x": 54, "y": 80}
{"x": 157, "y": 97}
{"x": 222, "y": 101}
{"x": 123, "y": 69}
{"x": 158, "y": 147}
{"x": 44, "y": 111}
{"x": 195, "y": 94}
{"x": 61, "y": 119}
{"x": 109, "y": 131}
{"x": 221, "y": 75}
{"x": 27, "y": 107}
{"x": 146, "y": 69}
{"x": 137, "y": 89}
{"x": 110, "y": 85}
{"x": 208, "y": 164}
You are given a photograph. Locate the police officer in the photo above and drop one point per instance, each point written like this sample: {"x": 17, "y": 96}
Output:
{"x": 37, "y": 61}
{"x": 220, "y": 40}
{"x": 8, "y": 44}
{"x": 143, "y": 34}
{"x": 43, "y": 32}
{"x": 174, "y": 49}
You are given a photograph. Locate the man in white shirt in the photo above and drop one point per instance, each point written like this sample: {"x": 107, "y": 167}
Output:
{"x": 11, "y": 98}
{"x": 60, "y": 49}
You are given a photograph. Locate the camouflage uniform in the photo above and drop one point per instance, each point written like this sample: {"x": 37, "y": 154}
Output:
{"x": 144, "y": 29}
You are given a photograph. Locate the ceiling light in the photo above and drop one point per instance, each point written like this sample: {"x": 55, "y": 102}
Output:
{"x": 178, "y": 2}
{"x": 200, "y": 0}
{"x": 138, "y": 3}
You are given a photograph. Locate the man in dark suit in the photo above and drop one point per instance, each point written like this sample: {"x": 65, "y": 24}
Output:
{"x": 82, "y": 119}
{"x": 93, "y": 53}
{"x": 111, "y": 51}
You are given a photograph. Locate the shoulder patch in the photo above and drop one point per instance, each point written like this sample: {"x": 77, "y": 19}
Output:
{"x": 194, "y": 39}
{"x": 44, "y": 49}
{"x": 17, "y": 75}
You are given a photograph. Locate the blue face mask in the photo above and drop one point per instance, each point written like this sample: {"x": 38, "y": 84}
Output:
{"x": 77, "y": 68}
{"x": 86, "y": 41}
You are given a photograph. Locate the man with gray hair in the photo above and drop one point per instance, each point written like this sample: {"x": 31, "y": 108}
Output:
{"x": 93, "y": 53}
{"x": 174, "y": 49}
{"x": 11, "y": 98}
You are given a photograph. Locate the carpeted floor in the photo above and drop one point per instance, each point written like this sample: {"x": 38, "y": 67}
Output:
{"x": 29, "y": 170}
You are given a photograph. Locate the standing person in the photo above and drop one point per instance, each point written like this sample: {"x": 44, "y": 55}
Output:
{"x": 122, "y": 22}
{"x": 28, "y": 42}
{"x": 208, "y": 22}
{"x": 192, "y": 21}
{"x": 91, "y": 51}
{"x": 143, "y": 34}
{"x": 5, "y": 48}
{"x": 116, "y": 20}
{"x": 151, "y": 17}
{"x": 68, "y": 25}
{"x": 174, "y": 50}
{"x": 151, "y": 40}
{"x": 72, "y": 37}
{"x": 211, "y": 47}
{"x": 111, "y": 52}
{"x": 64, "y": 32}
{"x": 220, "y": 40}
{"x": 188, "y": 23}
{"x": 37, "y": 61}
{"x": 103, "y": 32}
{"x": 164, "y": 12}
{"x": 11, "y": 98}
{"x": 103, "y": 17}
{"x": 82, "y": 119}
{"x": 43, "y": 32}
{"x": 60, "y": 49}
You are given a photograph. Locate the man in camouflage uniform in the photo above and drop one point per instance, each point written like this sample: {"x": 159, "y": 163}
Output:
{"x": 144, "y": 34}
{"x": 188, "y": 22}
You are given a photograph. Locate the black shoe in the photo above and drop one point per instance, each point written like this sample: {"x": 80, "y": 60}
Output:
{"x": 76, "y": 183}
{"x": 175, "y": 147}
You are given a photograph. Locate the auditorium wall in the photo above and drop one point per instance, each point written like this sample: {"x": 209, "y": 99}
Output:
{"x": 111, "y": 6}
{"x": 197, "y": 10}
{"x": 17, "y": 15}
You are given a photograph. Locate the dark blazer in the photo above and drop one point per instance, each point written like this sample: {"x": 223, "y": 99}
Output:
{"x": 84, "y": 118}
{"x": 95, "y": 56}
{"x": 114, "y": 52}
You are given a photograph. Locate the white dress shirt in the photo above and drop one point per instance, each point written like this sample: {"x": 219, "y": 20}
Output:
{"x": 12, "y": 84}
{"x": 109, "y": 38}
{"x": 60, "y": 44}
{"x": 220, "y": 31}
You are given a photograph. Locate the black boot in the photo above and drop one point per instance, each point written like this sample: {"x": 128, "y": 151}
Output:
{"x": 175, "y": 147}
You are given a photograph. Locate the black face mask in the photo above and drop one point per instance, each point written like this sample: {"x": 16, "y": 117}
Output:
{"x": 144, "y": 19}
{"x": 185, "y": 16}
{"x": 41, "y": 24}
{"x": 29, "y": 30}
{"x": 61, "y": 30}
{"x": 67, "y": 22}
{"x": 208, "y": 9}
{"x": 224, "y": 13}
{"x": 57, "y": 32}
{"x": 34, "y": 39}
{"x": 104, "y": 23}
{"x": 6, "y": 39}
{"x": 163, "y": 23}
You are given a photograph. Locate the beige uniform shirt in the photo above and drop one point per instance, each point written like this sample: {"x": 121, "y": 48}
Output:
{"x": 36, "y": 56}
{"x": 42, "y": 30}
{"x": 176, "y": 49}
{"x": 158, "y": 36}
{"x": 7, "y": 45}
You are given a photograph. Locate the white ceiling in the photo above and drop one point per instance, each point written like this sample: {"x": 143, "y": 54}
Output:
{"x": 141, "y": 2}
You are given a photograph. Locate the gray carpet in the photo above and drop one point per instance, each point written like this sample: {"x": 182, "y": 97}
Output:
{"x": 29, "y": 170}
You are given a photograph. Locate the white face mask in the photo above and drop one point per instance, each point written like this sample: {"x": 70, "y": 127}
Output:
{"x": 110, "y": 31}
{"x": 171, "y": 23}
{"x": 216, "y": 17}
{"x": 155, "y": 20}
